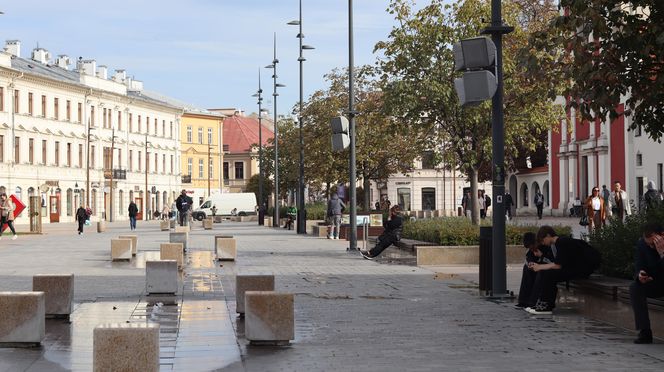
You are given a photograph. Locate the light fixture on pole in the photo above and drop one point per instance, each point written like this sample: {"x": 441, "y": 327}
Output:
{"x": 261, "y": 203}
{"x": 301, "y": 213}
{"x": 351, "y": 132}
{"x": 273, "y": 66}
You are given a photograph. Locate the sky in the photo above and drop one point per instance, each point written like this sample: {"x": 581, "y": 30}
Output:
{"x": 206, "y": 53}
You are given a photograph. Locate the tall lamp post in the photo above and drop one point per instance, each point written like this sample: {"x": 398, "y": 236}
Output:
{"x": 87, "y": 168}
{"x": 301, "y": 214}
{"x": 351, "y": 130}
{"x": 261, "y": 204}
{"x": 273, "y": 66}
{"x": 147, "y": 191}
{"x": 210, "y": 146}
{"x": 110, "y": 219}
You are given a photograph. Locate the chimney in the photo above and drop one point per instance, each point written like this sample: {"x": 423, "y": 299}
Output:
{"x": 63, "y": 61}
{"x": 102, "y": 72}
{"x": 89, "y": 67}
{"x": 120, "y": 76}
{"x": 13, "y": 47}
{"x": 41, "y": 55}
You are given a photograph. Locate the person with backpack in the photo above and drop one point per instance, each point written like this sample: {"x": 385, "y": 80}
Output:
{"x": 539, "y": 203}
{"x": 574, "y": 259}
{"x": 183, "y": 204}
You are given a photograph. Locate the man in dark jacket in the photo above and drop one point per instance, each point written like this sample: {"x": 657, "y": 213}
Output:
{"x": 391, "y": 235}
{"x": 81, "y": 217}
{"x": 133, "y": 211}
{"x": 649, "y": 278}
{"x": 536, "y": 254}
{"x": 183, "y": 204}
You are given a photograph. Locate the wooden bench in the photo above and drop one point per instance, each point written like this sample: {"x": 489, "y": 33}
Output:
{"x": 607, "y": 299}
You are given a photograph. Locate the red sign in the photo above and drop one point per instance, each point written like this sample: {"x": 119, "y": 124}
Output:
{"x": 18, "y": 208}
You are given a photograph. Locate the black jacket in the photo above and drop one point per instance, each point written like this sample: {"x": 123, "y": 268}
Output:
{"x": 648, "y": 260}
{"x": 394, "y": 227}
{"x": 133, "y": 210}
{"x": 81, "y": 215}
{"x": 183, "y": 203}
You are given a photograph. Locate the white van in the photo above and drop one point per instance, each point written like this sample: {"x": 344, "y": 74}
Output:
{"x": 226, "y": 204}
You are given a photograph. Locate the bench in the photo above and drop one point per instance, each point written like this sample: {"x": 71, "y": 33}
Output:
{"x": 161, "y": 276}
{"x": 244, "y": 283}
{"x": 607, "y": 299}
{"x": 165, "y": 225}
{"x": 58, "y": 293}
{"x": 269, "y": 317}
{"x": 134, "y": 242}
{"x": 172, "y": 251}
{"x": 226, "y": 248}
{"x": 126, "y": 347}
{"x": 120, "y": 249}
{"x": 23, "y": 320}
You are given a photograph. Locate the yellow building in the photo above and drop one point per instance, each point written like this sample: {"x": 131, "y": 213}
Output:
{"x": 201, "y": 136}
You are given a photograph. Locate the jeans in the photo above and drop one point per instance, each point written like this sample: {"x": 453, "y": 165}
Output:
{"x": 183, "y": 218}
{"x": 336, "y": 225}
{"x": 132, "y": 222}
{"x": 80, "y": 226}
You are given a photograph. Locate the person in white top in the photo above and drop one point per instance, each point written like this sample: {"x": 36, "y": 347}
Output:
{"x": 619, "y": 202}
{"x": 596, "y": 210}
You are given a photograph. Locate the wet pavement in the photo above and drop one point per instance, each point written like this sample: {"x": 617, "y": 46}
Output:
{"x": 350, "y": 313}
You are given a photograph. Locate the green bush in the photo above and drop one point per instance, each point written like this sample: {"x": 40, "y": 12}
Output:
{"x": 316, "y": 211}
{"x": 453, "y": 231}
{"x": 617, "y": 242}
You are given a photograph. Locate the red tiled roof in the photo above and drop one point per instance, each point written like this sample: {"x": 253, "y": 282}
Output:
{"x": 240, "y": 132}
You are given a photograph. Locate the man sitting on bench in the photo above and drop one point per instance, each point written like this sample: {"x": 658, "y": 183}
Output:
{"x": 649, "y": 278}
{"x": 391, "y": 235}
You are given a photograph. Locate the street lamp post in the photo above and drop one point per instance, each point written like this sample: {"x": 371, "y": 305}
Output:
{"x": 147, "y": 191}
{"x": 273, "y": 66}
{"x": 301, "y": 214}
{"x": 111, "y": 183}
{"x": 210, "y": 146}
{"x": 87, "y": 168}
{"x": 261, "y": 204}
{"x": 351, "y": 130}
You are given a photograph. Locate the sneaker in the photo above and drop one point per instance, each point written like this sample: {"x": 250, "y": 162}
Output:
{"x": 521, "y": 306}
{"x": 645, "y": 337}
{"x": 366, "y": 255}
{"x": 14, "y": 237}
{"x": 542, "y": 308}
{"x": 336, "y": 238}
{"x": 329, "y": 237}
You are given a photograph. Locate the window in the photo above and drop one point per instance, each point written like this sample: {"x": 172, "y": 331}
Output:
{"x": 92, "y": 156}
{"x": 31, "y": 151}
{"x": 171, "y": 129}
{"x": 428, "y": 160}
{"x": 107, "y": 157}
{"x": 209, "y": 135}
{"x": 139, "y": 124}
{"x": 17, "y": 150}
{"x": 57, "y": 152}
{"x": 2, "y": 149}
{"x": 70, "y": 203}
{"x": 44, "y": 149}
{"x": 403, "y": 198}
{"x": 110, "y": 121}
{"x": 119, "y": 164}
{"x": 56, "y": 108}
{"x": 155, "y": 126}
{"x": 172, "y": 164}
{"x": 80, "y": 112}
{"x": 80, "y": 155}
{"x": 30, "y": 104}
{"x": 147, "y": 124}
{"x": 69, "y": 154}
{"x": 139, "y": 161}
{"x": 131, "y": 160}
{"x": 156, "y": 163}
{"x": 103, "y": 119}
{"x": 92, "y": 116}
{"x": 131, "y": 122}
{"x": 17, "y": 95}
{"x": 189, "y": 166}
{"x": 428, "y": 198}
{"x": 2, "y": 99}
{"x": 119, "y": 120}
{"x": 211, "y": 168}
{"x": 68, "y": 110}
{"x": 225, "y": 170}
{"x": 189, "y": 135}
{"x": 43, "y": 106}
{"x": 639, "y": 160}
{"x": 163, "y": 128}
{"x": 239, "y": 170}
{"x": 637, "y": 131}
{"x": 200, "y": 136}
{"x": 200, "y": 168}
{"x": 163, "y": 163}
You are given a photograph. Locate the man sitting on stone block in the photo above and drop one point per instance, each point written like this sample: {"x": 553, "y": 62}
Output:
{"x": 536, "y": 254}
{"x": 391, "y": 235}
{"x": 649, "y": 278}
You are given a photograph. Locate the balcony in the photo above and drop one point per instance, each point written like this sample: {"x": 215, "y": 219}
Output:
{"x": 186, "y": 179}
{"x": 118, "y": 174}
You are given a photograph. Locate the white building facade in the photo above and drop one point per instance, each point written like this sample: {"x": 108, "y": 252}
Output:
{"x": 52, "y": 117}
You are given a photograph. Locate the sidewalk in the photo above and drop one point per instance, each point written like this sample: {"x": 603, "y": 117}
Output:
{"x": 350, "y": 313}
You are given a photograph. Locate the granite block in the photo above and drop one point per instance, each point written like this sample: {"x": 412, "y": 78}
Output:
{"x": 244, "y": 283}
{"x": 23, "y": 318}
{"x": 121, "y": 249}
{"x": 126, "y": 347}
{"x": 269, "y": 317}
{"x": 172, "y": 251}
{"x": 134, "y": 242}
{"x": 226, "y": 249}
{"x": 161, "y": 276}
{"x": 58, "y": 292}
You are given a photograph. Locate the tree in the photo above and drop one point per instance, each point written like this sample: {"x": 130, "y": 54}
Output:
{"x": 418, "y": 81}
{"x": 253, "y": 186}
{"x": 608, "y": 49}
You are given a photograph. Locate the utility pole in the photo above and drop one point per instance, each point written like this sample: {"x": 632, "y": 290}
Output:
{"x": 147, "y": 191}
{"x": 110, "y": 218}
{"x": 87, "y": 169}
{"x": 351, "y": 129}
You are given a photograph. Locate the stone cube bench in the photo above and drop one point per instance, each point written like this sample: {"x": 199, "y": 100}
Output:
{"x": 161, "y": 277}
{"x": 319, "y": 231}
{"x": 126, "y": 347}
{"x": 101, "y": 226}
{"x": 244, "y": 283}
{"x": 165, "y": 225}
{"x": 182, "y": 229}
{"x": 179, "y": 237}
{"x": 58, "y": 293}
{"x": 22, "y": 323}
{"x": 172, "y": 251}
{"x": 134, "y": 242}
{"x": 226, "y": 249}
{"x": 218, "y": 219}
{"x": 462, "y": 255}
{"x": 120, "y": 249}
{"x": 269, "y": 317}
{"x": 207, "y": 224}
{"x": 267, "y": 222}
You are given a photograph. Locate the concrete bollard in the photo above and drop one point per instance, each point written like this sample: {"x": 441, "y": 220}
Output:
{"x": 165, "y": 225}
{"x": 134, "y": 242}
{"x": 172, "y": 251}
{"x": 172, "y": 224}
{"x": 23, "y": 322}
{"x": 126, "y": 347}
{"x": 161, "y": 276}
{"x": 226, "y": 249}
{"x": 244, "y": 283}
{"x": 207, "y": 223}
{"x": 218, "y": 219}
{"x": 181, "y": 229}
{"x": 179, "y": 237}
{"x": 120, "y": 249}
{"x": 101, "y": 226}
{"x": 267, "y": 222}
{"x": 58, "y": 293}
{"x": 269, "y": 317}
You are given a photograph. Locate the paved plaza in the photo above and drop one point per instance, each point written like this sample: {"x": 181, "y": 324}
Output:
{"x": 350, "y": 314}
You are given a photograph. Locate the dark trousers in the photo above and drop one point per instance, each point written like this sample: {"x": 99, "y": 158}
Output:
{"x": 80, "y": 225}
{"x": 545, "y": 287}
{"x": 508, "y": 211}
{"x": 527, "y": 285}
{"x": 482, "y": 213}
{"x": 638, "y": 297}
{"x": 384, "y": 241}
{"x": 540, "y": 208}
{"x": 183, "y": 218}
{"x": 132, "y": 222}
{"x": 10, "y": 224}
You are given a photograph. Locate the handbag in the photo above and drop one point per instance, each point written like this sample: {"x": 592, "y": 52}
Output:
{"x": 584, "y": 220}
{"x": 87, "y": 222}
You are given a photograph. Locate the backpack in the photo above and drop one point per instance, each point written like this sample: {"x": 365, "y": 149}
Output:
{"x": 488, "y": 201}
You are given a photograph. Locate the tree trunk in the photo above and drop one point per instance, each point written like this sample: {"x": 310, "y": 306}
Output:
{"x": 473, "y": 197}
{"x": 366, "y": 184}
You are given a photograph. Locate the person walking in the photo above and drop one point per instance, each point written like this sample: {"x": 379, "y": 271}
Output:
{"x": 291, "y": 213}
{"x": 619, "y": 202}
{"x": 595, "y": 208}
{"x": 508, "y": 205}
{"x": 390, "y": 235}
{"x": 652, "y": 199}
{"x": 183, "y": 204}
{"x": 465, "y": 204}
{"x": 133, "y": 211}
{"x": 605, "y": 195}
{"x": 7, "y": 211}
{"x": 539, "y": 203}
{"x": 481, "y": 201}
{"x": 335, "y": 207}
{"x": 81, "y": 217}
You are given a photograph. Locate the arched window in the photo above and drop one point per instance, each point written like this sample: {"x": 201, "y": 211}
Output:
{"x": 70, "y": 202}
{"x": 18, "y": 192}
{"x": 121, "y": 202}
